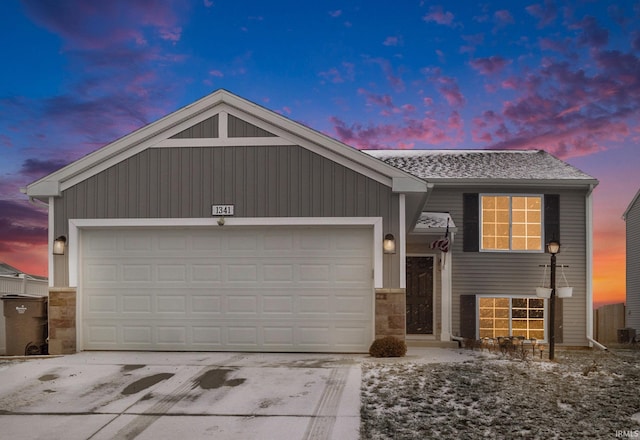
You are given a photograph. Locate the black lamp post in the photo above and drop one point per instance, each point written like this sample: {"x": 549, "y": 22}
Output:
{"x": 553, "y": 247}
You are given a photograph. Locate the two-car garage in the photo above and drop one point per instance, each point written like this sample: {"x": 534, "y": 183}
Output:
{"x": 275, "y": 288}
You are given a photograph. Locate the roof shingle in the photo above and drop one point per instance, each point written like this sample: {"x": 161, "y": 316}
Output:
{"x": 481, "y": 164}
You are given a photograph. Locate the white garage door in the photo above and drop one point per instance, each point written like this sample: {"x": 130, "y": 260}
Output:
{"x": 222, "y": 288}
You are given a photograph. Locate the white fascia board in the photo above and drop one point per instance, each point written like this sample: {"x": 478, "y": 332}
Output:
{"x": 76, "y": 225}
{"x": 44, "y": 189}
{"x": 407, "y": 185}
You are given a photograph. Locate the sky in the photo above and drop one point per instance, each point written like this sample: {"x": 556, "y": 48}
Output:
{"x": 562, "y": 76}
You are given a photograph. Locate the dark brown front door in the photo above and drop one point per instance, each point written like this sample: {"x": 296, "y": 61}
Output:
{"x": 420, "y": 295}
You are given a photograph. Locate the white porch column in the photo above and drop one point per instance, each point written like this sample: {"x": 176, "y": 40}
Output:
{"x": 446, "y": 262}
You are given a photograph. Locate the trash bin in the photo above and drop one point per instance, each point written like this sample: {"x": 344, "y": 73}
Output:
{"x": 25, "y": 324}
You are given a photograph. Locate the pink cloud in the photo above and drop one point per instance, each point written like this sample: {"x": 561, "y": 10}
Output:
{"x": 566, "y": 110}
{"x": 392, "y": 41}
{"x": 394, "y": 79}
{"x": 503, "y": 17}
{"x": 335, "y": 14}
{"x": 216, "y": 73}
{"x": 437, "y": 15}
{"x": 428, "y": 131}
{"x": 488, "y": 66}
{"x": 336, "y": 75}
{"x": 82, "y": 24}
{"x": 592, "y": 34}
{"x": 545, "y": 13}
{"x": 448, "y": 88}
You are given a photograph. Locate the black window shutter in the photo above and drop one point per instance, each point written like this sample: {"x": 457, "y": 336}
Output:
{"x": 470, "y": 222}
{"x": 468, "y": 316}
{"x": 551, "y": 218}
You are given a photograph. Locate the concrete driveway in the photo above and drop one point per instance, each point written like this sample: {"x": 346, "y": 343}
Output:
{"x": 186, "y": 396}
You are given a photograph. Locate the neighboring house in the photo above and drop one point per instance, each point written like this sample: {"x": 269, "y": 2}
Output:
{"x": 632, "y": 221}
{"x": 14, "y": 281}
{"x": 225, "y": 226}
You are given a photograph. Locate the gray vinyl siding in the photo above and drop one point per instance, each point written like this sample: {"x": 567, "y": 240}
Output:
{"x": 238, "y": 128}
{"x": 512, "y": 273}
{"x": 205, "y": 129}
{"x": 274, "y": 181}
{"x": 632, "y": 318}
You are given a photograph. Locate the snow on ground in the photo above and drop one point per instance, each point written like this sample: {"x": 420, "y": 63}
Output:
{"x": 582, "y": 394}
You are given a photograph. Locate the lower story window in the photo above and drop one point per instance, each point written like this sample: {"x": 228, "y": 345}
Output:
{"x": 502, "y": 316}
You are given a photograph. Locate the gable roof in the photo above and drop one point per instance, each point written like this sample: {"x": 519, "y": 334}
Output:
{"x": 166, "y": 133}
{"x": 485, "y": 166}
{"x": 633, "y": 202}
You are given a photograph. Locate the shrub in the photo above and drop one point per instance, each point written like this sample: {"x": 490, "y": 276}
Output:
{"x": 389, "y": 346}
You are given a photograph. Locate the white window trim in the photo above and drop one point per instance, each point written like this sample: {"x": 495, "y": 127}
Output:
{"x": 546, "y": 312}
{"x": 517, "y": 251}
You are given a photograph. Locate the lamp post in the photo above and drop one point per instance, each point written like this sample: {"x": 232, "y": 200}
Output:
{"x": 554, "y": 248}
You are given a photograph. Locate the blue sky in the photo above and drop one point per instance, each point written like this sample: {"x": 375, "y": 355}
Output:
{"x": 563, "y": 76}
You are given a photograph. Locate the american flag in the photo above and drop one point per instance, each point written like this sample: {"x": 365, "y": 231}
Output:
{"x": 443, "y": 243}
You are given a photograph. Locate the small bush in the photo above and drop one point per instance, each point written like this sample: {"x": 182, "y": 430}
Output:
{"x": 389, "y": 346}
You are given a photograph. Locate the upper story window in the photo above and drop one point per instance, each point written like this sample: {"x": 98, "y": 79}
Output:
{"x": 511, "y": 222}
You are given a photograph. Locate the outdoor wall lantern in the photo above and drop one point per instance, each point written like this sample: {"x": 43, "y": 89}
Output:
{"x": 554, "y": 248}
{"x": 389, "y": 244}
{"x": 59, "y": 244}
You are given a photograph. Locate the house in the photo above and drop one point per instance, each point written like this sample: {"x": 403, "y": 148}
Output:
{"x": 632, "y": 222}
{"x": 225, "y": 226}
{"x": 14, "y": 281}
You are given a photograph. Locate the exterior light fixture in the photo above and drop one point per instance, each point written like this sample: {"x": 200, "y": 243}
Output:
{"x": 59, "y": 244}
{"x": 554, "y": 248}
{"x": 389, "y": 244}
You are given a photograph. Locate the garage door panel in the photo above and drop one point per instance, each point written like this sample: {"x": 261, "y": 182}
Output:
{"x": 278, "y": 289}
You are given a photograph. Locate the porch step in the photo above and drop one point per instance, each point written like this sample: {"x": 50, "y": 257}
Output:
{"x": 429, "y": 343}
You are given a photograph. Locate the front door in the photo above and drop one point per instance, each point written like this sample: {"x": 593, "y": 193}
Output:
{"x": 420, "y": 295}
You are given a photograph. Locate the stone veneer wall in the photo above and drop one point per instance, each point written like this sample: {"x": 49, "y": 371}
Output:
{"x": 391, "y": 313}
{"x": 62, "y": 320}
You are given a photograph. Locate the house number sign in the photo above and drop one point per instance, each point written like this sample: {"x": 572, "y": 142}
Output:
{"x": 222, "y": 210}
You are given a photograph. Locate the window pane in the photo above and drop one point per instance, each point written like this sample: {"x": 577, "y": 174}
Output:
{"x": 518, "y": 203}
{"x": 519, "y": 313}
{"x": 536, "y": 334}
{"x": 534, "y": 243}
{"x": 519, "y": 302}
{"x": 519, "y": 244}
{"x": 502, "y": 202}
{"x": 536, "y": 303}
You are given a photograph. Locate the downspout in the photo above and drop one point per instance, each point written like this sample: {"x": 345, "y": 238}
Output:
{"x": 597, "y": 344}
{"x": 589, "y": 252}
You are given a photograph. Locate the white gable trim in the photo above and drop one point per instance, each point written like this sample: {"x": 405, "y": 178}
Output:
{"x": 222, "y": 102}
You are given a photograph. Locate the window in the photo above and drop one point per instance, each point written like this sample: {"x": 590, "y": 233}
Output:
{"x": 511, "y": 223}
{"x": 511, "y": 317}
